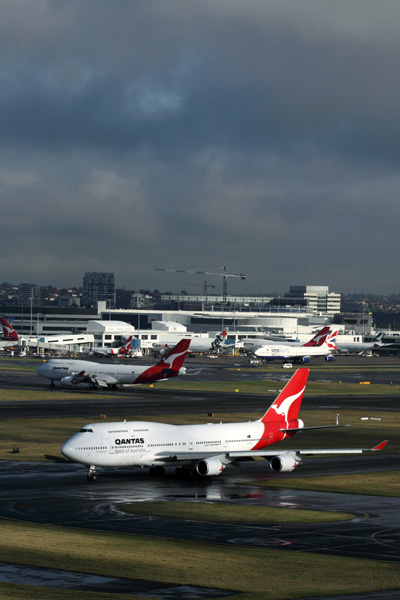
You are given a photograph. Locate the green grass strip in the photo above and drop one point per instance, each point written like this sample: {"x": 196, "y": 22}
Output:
{"x": 229, "y": 513}
{"x": 271, "y": 388}
{"x": 375, "y": 484}
{"x": 244, "y": 570}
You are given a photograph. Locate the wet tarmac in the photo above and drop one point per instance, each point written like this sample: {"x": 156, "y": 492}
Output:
{"x": 60, "y": 495}
{"x": 69, "y": 580}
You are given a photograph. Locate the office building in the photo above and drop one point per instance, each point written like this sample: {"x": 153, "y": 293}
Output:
{"x": 98, "y": 287}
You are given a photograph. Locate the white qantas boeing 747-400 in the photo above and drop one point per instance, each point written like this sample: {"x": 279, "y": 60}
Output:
{"x": 203, "y": 449}
{"x": 95, "y": 374}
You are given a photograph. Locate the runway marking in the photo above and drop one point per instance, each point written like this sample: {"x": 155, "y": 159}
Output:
{"x": 373, "y": 536}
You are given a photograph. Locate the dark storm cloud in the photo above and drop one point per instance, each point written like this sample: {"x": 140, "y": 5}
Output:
{"x": 260, "y": 135}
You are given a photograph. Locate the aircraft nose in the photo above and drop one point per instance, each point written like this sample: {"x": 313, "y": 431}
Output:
{"x": 68, "y": 450}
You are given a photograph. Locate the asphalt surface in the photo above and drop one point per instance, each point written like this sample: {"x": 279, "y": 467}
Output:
{"x": 58, "y": 493}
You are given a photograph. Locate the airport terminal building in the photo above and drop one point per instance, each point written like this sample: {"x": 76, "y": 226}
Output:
{"x": 71, "y": 330}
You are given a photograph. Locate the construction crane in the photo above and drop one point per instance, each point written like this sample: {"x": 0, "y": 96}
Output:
{"x": 204, "y": 285}
{"x": 218, "y": 272}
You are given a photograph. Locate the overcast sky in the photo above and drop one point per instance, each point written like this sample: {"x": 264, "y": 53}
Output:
{"x": 261, "y": 135}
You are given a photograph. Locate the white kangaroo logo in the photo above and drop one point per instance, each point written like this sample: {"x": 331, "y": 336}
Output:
{"x": 172, "y": 358}
{"x": 284, "y": 407}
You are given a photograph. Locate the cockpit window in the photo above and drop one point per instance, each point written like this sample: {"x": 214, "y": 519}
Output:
{"x": 86, "y": 430}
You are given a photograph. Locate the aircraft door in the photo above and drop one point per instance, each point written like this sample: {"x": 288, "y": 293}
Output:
{"x": 110, "y": 445}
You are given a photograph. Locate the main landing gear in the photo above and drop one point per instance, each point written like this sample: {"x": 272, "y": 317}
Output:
{"x": 91, "y": 476}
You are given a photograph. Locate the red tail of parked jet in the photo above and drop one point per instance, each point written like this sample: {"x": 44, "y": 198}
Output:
{"x": 319, "y": 338}
{"x": 126, "y": 347}
{"x": 167, "y": 367}
{"x": 9, "y": 332}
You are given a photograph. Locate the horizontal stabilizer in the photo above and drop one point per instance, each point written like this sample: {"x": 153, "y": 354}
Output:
{"x": 296, "y": 429}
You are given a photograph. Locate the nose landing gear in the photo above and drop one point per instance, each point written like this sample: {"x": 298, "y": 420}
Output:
{"x": 91, "y": 476}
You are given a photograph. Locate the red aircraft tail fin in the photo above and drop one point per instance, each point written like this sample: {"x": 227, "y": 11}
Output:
{"x": 127, "y": 346}
{"x": 287, "y": 405}
{"x": 9, "y": 332}
{"x": 175, "y": 357}
{"x": 319, "y": 338}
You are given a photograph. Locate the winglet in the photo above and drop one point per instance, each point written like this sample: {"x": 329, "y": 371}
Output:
{"x": 380, "y": 446}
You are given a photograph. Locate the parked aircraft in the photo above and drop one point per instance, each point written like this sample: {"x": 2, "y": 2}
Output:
{"x": 74, "y": 372}
{"x": 203, "y": 449}
{"x": 9, "y": 334}
{"x": 112, "y": 352}
{"x": 197, "y": 344}
{"x": 255, "y": 343}
{"x": 300, "y": 354}
{"x": 359, "y": 347}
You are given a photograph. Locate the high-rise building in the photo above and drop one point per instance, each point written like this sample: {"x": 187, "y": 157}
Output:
{"x": 317, "y": 298}
{"x": 28, "y": 294}
{"x": 99, "y": 287}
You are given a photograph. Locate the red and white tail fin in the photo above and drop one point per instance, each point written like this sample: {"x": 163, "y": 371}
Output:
{"x": 287, "y": 405}
{"x": 175, "y": 357}
{"x": 319, "y": 338}
{"x": 9, "y": 332}
{"x": 127, "y": 346}
{"x": 331, "y": 340}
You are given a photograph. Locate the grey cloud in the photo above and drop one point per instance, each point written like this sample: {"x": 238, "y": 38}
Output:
{"x": 263, "y": 136}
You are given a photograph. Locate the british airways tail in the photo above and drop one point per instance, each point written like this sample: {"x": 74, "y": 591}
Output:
{"x": 331, "y": 340}
{"x": 9, "y": 332}
{"x": 286, "y": 407}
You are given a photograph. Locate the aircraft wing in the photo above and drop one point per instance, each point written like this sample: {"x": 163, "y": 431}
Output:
{"x": 84, "y": 377}
{"x": 250, "y": 454}
{"x": 268, "y": 453}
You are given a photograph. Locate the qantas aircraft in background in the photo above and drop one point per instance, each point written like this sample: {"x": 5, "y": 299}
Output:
{"x": 203, "y": 449}
{"x": 74, "y": 372}
{"x": 9, "y": 334}
{"x": 197, "y": 344}
{"x": 318, "y": 346}
{"x": 111, "y": 352}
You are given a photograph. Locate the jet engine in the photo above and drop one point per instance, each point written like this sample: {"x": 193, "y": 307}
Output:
{"x": 70, "y": 380}
{"x": 305, "y": 359}
{"x": 212, "y": 466}
{"x": 329, "y": 358}
{"x": 283, "y": 463}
